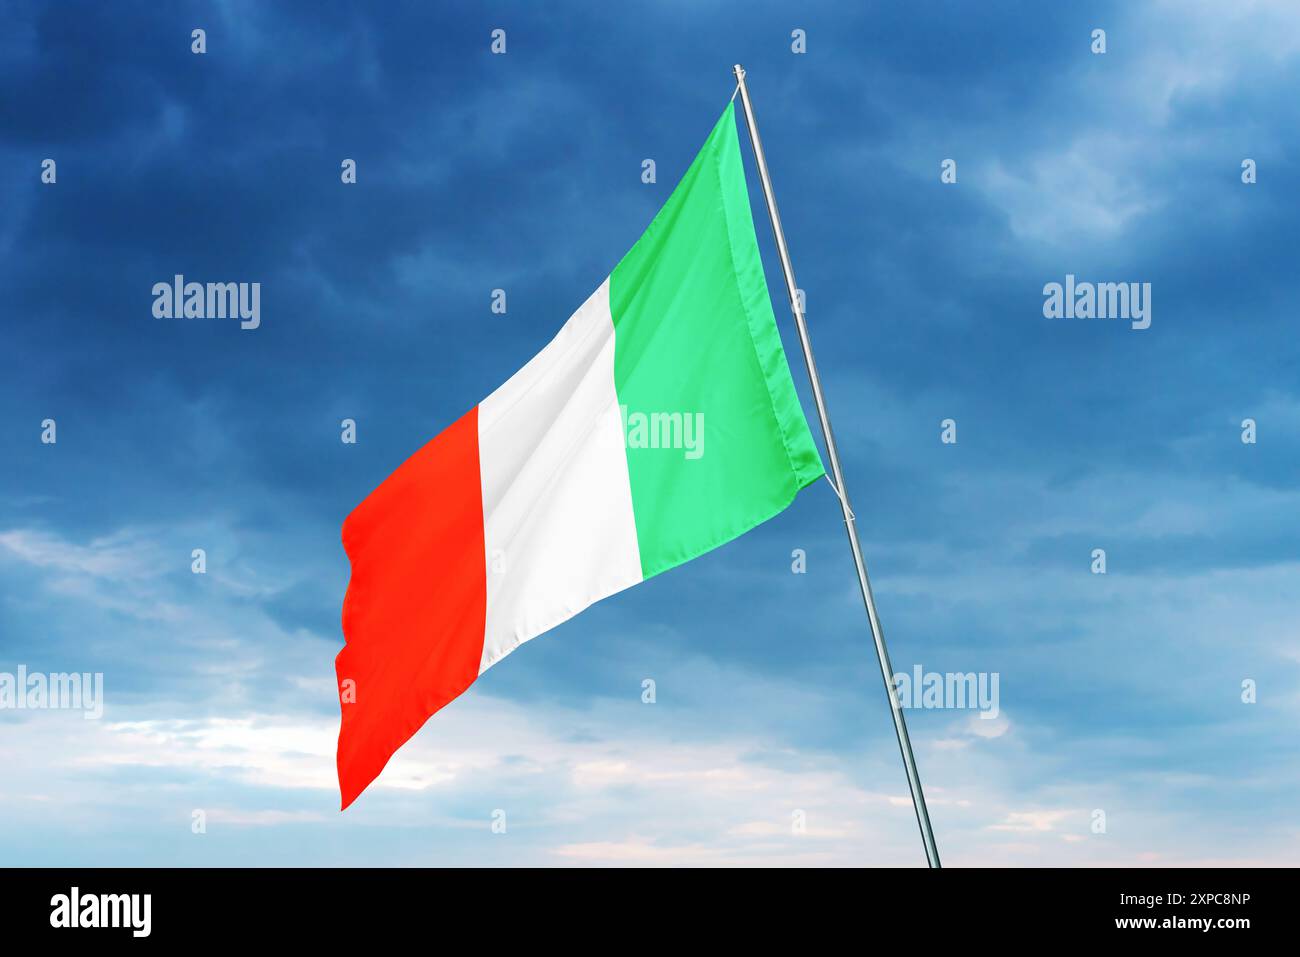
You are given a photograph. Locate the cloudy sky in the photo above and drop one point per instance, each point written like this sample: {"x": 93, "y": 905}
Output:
{"x": 1119, "y": 693}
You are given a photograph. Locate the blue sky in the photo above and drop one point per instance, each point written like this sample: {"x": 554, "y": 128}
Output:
{"x": 1119, "y": 692}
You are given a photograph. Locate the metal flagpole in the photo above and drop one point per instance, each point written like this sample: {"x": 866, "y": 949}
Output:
{"x": 882, "y": 654}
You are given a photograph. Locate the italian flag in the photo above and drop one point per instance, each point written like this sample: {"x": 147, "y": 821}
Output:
{"x": 659, "y": 423}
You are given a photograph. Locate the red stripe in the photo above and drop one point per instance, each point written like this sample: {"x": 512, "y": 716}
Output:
{"x": 414, "y": 611}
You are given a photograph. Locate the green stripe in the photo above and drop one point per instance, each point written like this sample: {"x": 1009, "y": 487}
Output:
{"x": 694, "y": 333}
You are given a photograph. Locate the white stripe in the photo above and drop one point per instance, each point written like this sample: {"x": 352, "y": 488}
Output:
{"x": 558, "y": 528}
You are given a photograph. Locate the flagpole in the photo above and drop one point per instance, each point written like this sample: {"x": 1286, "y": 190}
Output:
{"x": 882, "y": 654}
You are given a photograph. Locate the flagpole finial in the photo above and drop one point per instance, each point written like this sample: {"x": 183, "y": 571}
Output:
{"x": 739, "y": 71}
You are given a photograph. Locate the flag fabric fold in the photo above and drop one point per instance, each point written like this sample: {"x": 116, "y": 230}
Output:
{"x": 659, "y": 423}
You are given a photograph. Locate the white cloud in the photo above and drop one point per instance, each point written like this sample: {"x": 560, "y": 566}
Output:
{"x": 1033, "y": 820}
{"x": 125, "y": 554}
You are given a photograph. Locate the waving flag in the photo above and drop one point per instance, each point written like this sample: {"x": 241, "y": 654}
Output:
{"x": 659, "y": 423}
